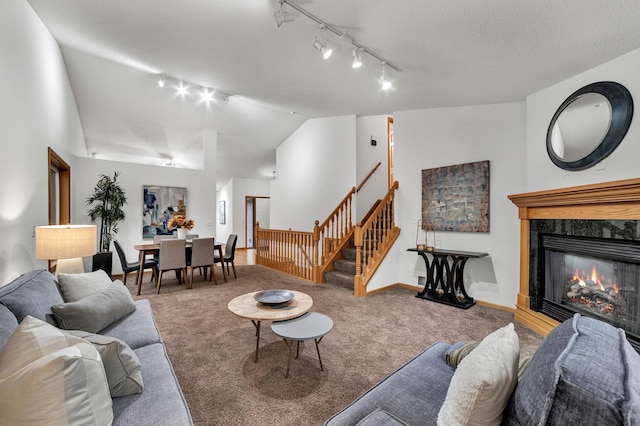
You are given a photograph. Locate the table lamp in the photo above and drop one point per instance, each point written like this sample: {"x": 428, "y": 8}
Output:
{"x": 67, "y": 244}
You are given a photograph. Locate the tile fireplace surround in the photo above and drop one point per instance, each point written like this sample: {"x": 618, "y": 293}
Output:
{"x": 618, "y": 200}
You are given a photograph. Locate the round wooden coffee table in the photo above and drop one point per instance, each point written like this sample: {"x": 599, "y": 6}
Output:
{"x": 246, "y": 306}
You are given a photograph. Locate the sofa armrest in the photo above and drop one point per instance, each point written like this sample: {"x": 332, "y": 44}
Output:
{"x": 413, "y": 394}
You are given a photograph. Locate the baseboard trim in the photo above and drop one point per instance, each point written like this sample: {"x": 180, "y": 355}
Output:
{"x": 419, "y": 289}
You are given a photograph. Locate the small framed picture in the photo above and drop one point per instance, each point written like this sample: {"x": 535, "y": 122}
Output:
{"x": 221, "y": 213}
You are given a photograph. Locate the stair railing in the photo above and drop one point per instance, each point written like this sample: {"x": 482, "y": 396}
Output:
{"x": 292, "y": 252}
{"x": 308, "y": 254}
{"x": 368, "y": 176}
{"x": 373, "y": 239}
{"x": 336, "y": 228}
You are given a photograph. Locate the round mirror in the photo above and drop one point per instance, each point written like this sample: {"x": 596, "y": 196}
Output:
{"x": 589, "y": 125}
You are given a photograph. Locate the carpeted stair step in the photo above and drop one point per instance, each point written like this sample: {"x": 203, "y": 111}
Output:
{"x": 349, "y": 254}
{"x": 345, "y": 265}
{"x": 339, "y": 278}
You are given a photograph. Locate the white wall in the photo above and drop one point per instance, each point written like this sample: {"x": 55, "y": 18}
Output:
{"x": 441, "y": 137}
{"x": 200, "y": 201}
{"x": 234, "y": 194}
{"x": 37, "y": 110}
{"x": 621, "y": 164}
{"x": 315, "y": 170}
{"x": 367, "y": 157}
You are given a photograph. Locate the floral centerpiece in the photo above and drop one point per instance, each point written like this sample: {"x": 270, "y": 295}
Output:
{"x": 179, "y": 221}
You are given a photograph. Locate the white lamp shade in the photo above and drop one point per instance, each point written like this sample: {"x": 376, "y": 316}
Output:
{"x": 55, "y": 242}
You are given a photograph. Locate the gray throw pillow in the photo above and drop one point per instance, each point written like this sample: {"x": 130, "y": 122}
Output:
{"x": 78, "y": 286}
{"x": 32, "y": 293}
{"x": 120, "y": 363}
{"x": 97, "y": 311}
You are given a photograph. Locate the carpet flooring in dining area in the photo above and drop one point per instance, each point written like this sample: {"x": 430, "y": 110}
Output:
{"x": 212, "y": 350}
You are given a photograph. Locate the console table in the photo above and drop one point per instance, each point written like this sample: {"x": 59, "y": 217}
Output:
{"x": 445, "y": 276}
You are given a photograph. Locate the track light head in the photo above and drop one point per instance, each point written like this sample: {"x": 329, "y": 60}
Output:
{"x": 357, "y": 58}
{"x": 182, "y": 89}
{"x": 281, "y": 16}
{"x": 162, "y": 81}
{"x": 384, "y": 80}
{"x": 322, "y": 47}
{"x": 207, "y": 95}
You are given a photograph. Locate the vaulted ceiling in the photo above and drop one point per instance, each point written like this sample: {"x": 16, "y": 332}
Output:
{"x": 448, "y": 52}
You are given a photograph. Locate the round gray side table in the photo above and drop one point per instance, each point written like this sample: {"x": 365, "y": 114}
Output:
{"x": 311, "y": 325}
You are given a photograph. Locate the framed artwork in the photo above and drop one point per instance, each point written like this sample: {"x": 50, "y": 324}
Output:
{"x": 221, "y": 213}
{"x": 159, "y": 205}
{"x": 456, "y": 198}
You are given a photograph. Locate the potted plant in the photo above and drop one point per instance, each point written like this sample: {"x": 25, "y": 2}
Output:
{"x": 106, "y": 203}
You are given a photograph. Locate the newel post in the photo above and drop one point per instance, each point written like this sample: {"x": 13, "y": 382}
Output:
{"x": 359, "y": 290}
{"x": 316, "y": 267}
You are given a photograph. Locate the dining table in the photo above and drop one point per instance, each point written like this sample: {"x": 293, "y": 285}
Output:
{"x": 145, "y": 250}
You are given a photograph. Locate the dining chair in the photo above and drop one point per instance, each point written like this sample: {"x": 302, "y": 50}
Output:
{"x": 229, "y": 254}
{"x": 192, "y": 236}
{"x": 172, "y": 257}
{"x": 128, "y": 267}
{"x": 202, "y": 256}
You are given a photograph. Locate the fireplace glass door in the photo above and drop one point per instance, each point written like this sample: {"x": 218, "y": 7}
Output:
{"x": 594, "y": 277}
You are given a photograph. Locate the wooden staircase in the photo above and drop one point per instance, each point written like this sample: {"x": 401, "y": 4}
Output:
{"x": 344, "y": 268}
{"x": 336, "y": 251}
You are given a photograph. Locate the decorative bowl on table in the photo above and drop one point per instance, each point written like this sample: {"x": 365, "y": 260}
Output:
{"x": 274, "y": 297}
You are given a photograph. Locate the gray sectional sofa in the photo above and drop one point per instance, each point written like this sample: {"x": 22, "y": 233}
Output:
{"x": 161, "y": 401}
{"x": 585, "y": 372}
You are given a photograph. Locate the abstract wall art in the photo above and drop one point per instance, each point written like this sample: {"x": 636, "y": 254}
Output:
{"x": 160, "y": 203}
{"x": 456, "y": 198}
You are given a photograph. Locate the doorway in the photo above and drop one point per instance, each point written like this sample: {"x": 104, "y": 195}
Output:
{"x": 256, "y": 211}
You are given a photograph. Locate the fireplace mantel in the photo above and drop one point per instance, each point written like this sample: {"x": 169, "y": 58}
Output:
{"x": 618, "y": 200}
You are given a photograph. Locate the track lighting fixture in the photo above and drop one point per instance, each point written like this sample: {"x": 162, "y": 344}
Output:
{"x": 322, "y": 47}
{"x": 321, "y": 43}
{"x": 184, "y": 89}
{"x": 281, "y": 16}
{"x": 207, "y": 96}
{"x": 384, "y": 81}
{"x": 357, "y": 57}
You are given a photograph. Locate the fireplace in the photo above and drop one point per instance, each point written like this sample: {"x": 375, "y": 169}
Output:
{"x": 595, "y": 277}
{"x": 609, "y": 214}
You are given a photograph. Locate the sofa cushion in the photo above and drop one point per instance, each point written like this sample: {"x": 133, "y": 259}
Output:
{"x": 77, "y": 286}
{"x": 95, "y": 312}
{"x": 120, "y": 363}
{"x": 380, "y": 418}
{"x": 584, "y": 369}
{"x": 48, "y": 377}
{"x": 32, "y": 293}
{"x": 483, "y": 382}
{"x": 136, "y": 329}
{"x": 162, "y": 397}
{"x": 8, "y": 324}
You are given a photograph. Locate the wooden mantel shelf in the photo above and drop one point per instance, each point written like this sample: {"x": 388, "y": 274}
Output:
{"x": 617, "y": 200}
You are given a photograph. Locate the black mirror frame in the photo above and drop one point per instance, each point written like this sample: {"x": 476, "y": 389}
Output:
{"x": 621, "y": 115}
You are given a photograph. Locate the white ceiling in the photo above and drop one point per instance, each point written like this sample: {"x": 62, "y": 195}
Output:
{"x": 450, "y": 53}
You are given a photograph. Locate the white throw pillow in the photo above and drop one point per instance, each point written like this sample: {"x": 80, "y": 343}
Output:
{"x": 48, "y": 377}
{"x": 78, "y": 286}
{"x": 120, "y": 363}
{"x": 483, "y": 382}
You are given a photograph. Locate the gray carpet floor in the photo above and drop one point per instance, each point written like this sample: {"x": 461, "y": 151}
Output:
{"x": 212, "y": 350}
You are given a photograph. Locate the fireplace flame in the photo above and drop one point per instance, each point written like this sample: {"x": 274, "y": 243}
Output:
{"x": 581, "y": 280}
